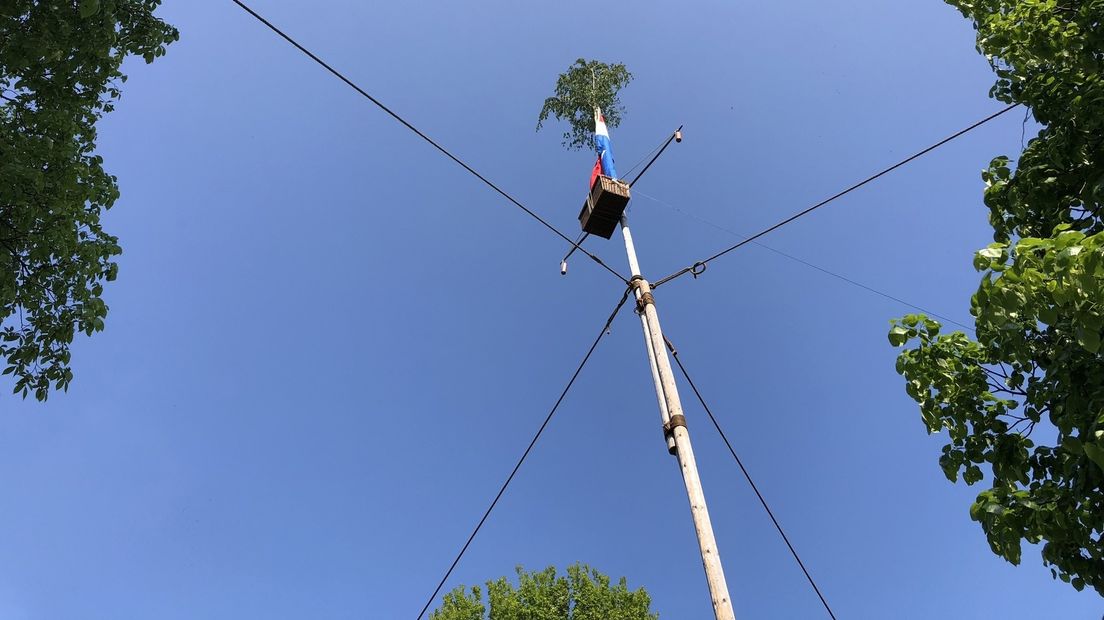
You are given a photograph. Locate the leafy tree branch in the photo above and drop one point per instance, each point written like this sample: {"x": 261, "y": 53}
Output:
{"x": 1036, "y": 359}
{"x": 586, "y": 85}
{"x": 60, "y": 72}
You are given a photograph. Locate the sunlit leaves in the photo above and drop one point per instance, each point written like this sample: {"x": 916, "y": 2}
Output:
{"x": 585, "y": 85}
{"x": 1039, "y": 309}
{"x": 59, "y": 73}
{"x": 582, "y": 594}
{"x": 1039, "y": 316}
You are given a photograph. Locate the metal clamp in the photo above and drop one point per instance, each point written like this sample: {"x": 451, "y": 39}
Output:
{"x": 644, "y": 300}
{"x": 676, "y": 420}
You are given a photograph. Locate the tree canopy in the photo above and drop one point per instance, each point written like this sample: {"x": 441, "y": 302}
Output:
{"x": 583, "y": 594}
{"x": 1023, "y": 401}
{"x": 586, "y": 85}
{"x": 60, "y": 71}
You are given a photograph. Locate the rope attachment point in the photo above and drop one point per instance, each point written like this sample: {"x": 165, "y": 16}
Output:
{"x": 639, "y": 283}
{"x": 676, "y": 420}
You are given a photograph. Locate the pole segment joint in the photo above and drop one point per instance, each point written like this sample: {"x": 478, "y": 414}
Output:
{"x": 676, "y": 420}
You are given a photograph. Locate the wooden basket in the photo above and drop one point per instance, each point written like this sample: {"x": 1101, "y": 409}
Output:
{"x": 603, "y": 208}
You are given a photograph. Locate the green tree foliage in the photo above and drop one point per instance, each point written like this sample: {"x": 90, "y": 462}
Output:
{"x": 584, "y": 594}
{"x": 586, "y": 85}
{"x": 1035, "y": 365}
{"x": 59, "y": 73}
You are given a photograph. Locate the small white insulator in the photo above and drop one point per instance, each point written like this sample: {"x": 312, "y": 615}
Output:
{"x": 563, "y": 268}
{"x": 678, "y": 136}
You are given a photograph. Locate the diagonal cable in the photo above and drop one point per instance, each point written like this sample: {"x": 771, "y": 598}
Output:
{"x": 659, "y": 151}
{"x": 626, "y": 173}
{"x": 423, "y": 136}
{"x": 838, "y": 276}
{"x": 533, "y": 442}
{"x": 762, "y": 500}
{"x": 834, "y": 197}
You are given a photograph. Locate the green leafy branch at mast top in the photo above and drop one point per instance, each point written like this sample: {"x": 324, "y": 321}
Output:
{"x": 586, "y": 85}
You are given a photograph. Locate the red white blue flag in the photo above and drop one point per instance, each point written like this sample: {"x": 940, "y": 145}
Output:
{"x": 603, "y": 146}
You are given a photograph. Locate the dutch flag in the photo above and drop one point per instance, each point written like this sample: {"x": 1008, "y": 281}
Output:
{"x": 603, "y": 146}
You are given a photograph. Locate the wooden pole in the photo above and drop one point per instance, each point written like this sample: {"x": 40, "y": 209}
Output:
{"x": 675, "y": 430}
{"x": 667, "y": 436}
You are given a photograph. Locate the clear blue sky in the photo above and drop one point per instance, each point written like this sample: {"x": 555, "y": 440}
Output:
{"x": 328, "y": 344}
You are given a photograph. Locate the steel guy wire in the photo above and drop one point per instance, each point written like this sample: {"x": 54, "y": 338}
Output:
{"x": 423, "y": 136}
{"x": 804, "y": 262}
{"x": 740, "y": 464}
{"x": 653, "y": 155}
{"x": 650, "y": 157}
{"x": 830, "y": 199}
{"x": 642, "y": 160}
{"x": 528, "y": 449}
{"x": 656, "y": 156}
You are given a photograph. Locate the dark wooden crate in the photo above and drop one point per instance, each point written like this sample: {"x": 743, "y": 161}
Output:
{"x": 602, "y": 210}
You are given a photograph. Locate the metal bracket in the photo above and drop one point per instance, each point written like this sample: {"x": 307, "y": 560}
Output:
{"x": 644, "y": 300}
{"x": 676, "y": 420}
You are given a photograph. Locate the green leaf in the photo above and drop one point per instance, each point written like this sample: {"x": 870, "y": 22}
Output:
{"x": 88, "y": 8}
{"x": 1089, "y": 339}
{"x": 1096, "y": 453}
{"x": 898, "y": 335}
{"x": 972, "y": 474}
{"x": 1048, "y": 314}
